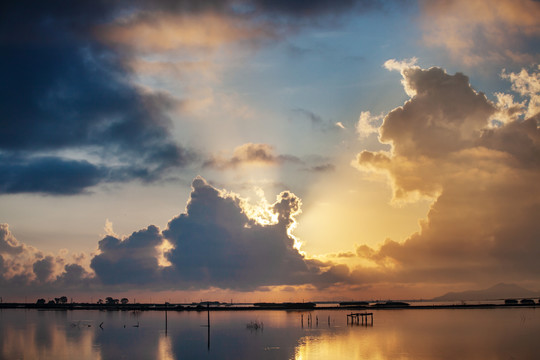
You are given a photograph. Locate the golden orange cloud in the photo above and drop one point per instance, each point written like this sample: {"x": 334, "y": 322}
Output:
{"x": 482, "y": 226}
{"x": 250, "y": 154}
{"x": 475, "y": 31}
{"x": 160, "y": 32}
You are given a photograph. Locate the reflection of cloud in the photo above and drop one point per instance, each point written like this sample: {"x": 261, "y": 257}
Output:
{"x": 47, "y": 335}
{"x": 483, "y": 179}
{"x": 476, "y": 31}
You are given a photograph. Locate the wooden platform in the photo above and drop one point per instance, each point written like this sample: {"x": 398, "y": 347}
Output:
{"x": 360, "y": 318}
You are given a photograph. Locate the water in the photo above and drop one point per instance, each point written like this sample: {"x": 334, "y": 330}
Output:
{"x": 500, "y": 333}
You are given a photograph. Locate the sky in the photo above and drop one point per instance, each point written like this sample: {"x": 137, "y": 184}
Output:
{"x": 254, "y": 150}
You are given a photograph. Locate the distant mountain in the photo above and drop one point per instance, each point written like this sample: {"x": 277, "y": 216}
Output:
{"x": 499, "y": 291}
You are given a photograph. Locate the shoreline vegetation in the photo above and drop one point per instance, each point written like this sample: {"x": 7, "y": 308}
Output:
{"x": 217, "y": 306}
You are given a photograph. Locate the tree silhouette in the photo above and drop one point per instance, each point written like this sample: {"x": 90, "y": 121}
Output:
{"x": 110, "y": 301}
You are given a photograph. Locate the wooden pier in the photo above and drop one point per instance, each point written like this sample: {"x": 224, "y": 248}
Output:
{"x": 360, "y": 318}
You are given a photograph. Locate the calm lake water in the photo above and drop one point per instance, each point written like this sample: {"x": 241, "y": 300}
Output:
{"x": 509, "y": 333}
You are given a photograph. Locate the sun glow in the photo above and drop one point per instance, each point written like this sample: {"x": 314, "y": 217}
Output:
{"x": 265, "y": 214}
{"x": 297, "y": 243}
{"x": 162, "y": 249}
{"x": 262, "y": 212}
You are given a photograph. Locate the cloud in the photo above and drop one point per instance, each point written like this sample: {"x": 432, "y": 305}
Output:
{"x": 109, "y": 228}
{"x": 217, "y": 244}
{"x": 72, "y": 90}
{"x": 444, "y": 115}
{"x": 317, "y": 121}
{"x": 528, "y": 86}
{"x": 250, "y": 154}
{"x": 347, "y": 254}
{"x": 23, "y": 267}
{"x": 319, "y": 8}
{"x": 366, "y": 124}
{"x": 8, "y": 243}
{"x": 74, "y": 276}
{"x": 220, "y": 241}
{"x": 17, "y": 258}
{"x": 133, "y": 260}
{"x": 48, "y": 175}
{"x": 159, "y": 32}
{"x": 64, "y": 92}
{"x": 477, "y": 31}
{"x": 44, "y": 268}
{"x": 482, "y": 179}
{"x": 322, "y": 168}
{"x": 400, "y": 65}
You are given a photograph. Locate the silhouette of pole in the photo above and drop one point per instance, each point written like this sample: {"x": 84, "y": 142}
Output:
{"x": 208, "y": 311}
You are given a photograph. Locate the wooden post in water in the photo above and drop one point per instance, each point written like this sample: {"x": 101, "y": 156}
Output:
{"x": 208, "y": 310}
{"x": 166, "y": 319}
{"x": 360, "y": 318}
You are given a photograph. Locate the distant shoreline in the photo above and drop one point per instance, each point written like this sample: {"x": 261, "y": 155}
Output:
{"x": 191, "y": 307}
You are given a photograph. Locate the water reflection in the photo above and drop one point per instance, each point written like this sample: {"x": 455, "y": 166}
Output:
{"x": 165, "y": 348}
{"x": 29, "y": 334}
{"x": 402, "y": 334}
{"x": 432, "y": 334}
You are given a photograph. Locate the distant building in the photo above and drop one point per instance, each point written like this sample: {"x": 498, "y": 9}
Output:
{"x": 510, "y": 302}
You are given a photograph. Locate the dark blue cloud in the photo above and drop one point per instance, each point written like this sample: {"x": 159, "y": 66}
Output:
{"x": 62, "y": 89}
{"x": 215, "y": 244}
{"x": 74, "y": 275}
{"x": 129, "y": 261}
{"x": 48, "y": 175}
{"x": 43, "y": 268}
{"x": 314, "y": 8}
